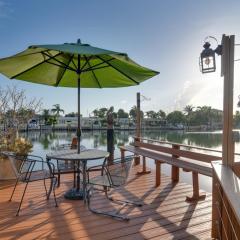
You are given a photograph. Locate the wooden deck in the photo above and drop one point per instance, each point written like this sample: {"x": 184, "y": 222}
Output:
{"x": 165, "y": 214}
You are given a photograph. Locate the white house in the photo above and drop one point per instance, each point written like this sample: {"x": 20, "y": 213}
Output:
{"x": 86, "y": 122}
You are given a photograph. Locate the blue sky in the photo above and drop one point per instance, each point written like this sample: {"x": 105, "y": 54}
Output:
{"x": 166, "y": 36}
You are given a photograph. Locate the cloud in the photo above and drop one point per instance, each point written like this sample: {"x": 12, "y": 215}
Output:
{"x": 123, "y": 102}
{"x": 206, "y": 91}
{"x": 186, "y": 94}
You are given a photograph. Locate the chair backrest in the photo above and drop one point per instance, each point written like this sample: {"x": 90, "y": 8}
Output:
{"x": 22, "y": 165}
{"x": 25, "y": 166}
{"x": 69, "y": 146}
{"x": 118, "y": 170}
{"x": 74, "y": 143}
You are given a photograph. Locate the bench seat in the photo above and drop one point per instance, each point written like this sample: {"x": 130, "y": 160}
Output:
{"x": 181, "y": 162}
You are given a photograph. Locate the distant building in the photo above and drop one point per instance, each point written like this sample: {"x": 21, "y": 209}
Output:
{"x": 86, "y": 122}
{"x": 153, "y": 122}
{"x": 123, "y": 122}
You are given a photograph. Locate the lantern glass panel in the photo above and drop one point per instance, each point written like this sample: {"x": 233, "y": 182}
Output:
{"x": 208, "y": 64}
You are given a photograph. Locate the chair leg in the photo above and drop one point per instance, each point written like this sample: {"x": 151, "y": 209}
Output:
{"x": 15, "y": 186}
{"x": 126, "y": 202}
{"x": 50, "y": 189}
{"x": 74, "y": 176}
{"x": 20, "y": 204}
{"x": 44, "y": 181}
{"x": 58, "y": 180}
{"x": 55, "y": 199}
{"x": 114, "y": 214}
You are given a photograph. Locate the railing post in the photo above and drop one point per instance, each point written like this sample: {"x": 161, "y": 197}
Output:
{"x": 228, "y": 73}
{"x": 196, "y": 195}
{"x": 138, "y": 123}
{"x": 228, "y": 43}
{"x": 138, "y": 127}
{"x": 122, "y": 153}
{"x": 175, "y": 170}
{"x": 158, "y": 173}
{"x": 136, "y": 157}
{"x": 216, "y": 222}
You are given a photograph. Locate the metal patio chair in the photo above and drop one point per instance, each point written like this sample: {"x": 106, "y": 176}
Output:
{"x": 111, "y": 176}
{"x": 33, "y": 168}
{"x": 64, "y": 166}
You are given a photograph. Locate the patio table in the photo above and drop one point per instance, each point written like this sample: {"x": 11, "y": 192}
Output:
{"x": 82, "y": 157}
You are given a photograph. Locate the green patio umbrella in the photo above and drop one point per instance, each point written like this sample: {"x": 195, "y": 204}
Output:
{"x": 74, "y": 65}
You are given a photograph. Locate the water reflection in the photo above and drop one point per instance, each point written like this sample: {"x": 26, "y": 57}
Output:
{"x": 98, "y": 139}
{"x": 206, "y": 139}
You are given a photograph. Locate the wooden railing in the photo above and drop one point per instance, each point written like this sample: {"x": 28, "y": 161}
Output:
{"x": 226, "y": 202}
{"x": 184, "y": 145}
{"x": 226, "y": 186}
{"x": 178, "y": 156}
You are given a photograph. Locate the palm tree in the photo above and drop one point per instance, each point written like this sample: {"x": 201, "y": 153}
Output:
{"x": 46, "y": 115}
{"x": 121, "y": 113}
{"x": 151, "y": 114}
{"x": 161, "y": 114}
{"x": 95, "y": 112}
{"x": 102, "y": 113}
{"x": 205, "y": 115}
{"x": 57, "y": 110}
{"x": 188, "y": 109}
{"x": 133, "y": 113}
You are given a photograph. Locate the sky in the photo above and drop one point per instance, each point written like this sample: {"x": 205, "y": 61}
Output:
{"x": 166, "y": 36}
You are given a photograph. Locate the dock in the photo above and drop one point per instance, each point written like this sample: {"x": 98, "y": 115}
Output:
{"x": 164, "y": 215}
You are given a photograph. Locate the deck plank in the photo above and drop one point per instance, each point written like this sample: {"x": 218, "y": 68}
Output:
{"x": 164, "y": 215}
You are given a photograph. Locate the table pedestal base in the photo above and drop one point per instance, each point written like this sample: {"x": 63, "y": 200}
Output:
{"x": 74, "y": 194}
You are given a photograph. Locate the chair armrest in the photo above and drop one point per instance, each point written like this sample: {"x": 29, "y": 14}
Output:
{"x": 67, "y": 145}
{"x": 51, "y": 167}
{"x": 42, "y": 161}
{"x": 35, "y": 156}
{"x": 97, "y": 167}
{"x": 94, "y": 170}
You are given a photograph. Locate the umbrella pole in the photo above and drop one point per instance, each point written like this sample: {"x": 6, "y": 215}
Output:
{"x": 79, "y": 120}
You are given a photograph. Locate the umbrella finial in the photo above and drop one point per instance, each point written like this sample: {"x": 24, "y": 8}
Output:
{"x": 79, "y": 41}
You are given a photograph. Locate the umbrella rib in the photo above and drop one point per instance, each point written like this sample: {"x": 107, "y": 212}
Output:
{"x": 74, "y": 63}
{"x": 58, "y": 81}
{"x": 31, "y": 67}
{"x": 124, "y": 74}
{"x": 58, "y": 65}
{"x": 92, "y": 68}
{"x": 94, "y": 75}
{"x": 88, "y": 69}
{"x": 87, "y": 61}
{"x": 63, "y": 64}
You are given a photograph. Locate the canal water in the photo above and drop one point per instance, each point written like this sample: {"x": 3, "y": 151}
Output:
{"x": 44, "y": 142}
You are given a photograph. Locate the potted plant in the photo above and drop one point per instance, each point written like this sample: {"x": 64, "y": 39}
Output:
{"x": 19, "y": 146}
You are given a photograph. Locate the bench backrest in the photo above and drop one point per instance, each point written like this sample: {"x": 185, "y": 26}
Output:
{"x": 178, "y": 152}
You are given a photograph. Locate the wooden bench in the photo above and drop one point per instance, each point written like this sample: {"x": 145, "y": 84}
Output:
{"x": 189, "y": 161}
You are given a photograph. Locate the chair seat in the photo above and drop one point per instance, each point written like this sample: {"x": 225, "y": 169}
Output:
{"x": 104, "y": 181}
{"x": 65, "y": 166}
{"x": 35, "y": 176}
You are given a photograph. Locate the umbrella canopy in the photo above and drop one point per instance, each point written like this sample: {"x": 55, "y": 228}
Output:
{"x": 57, "y": 65}
{"x": 74, "y": 65}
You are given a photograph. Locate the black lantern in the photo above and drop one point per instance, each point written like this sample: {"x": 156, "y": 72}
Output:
{"x": 207, "y": 59}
